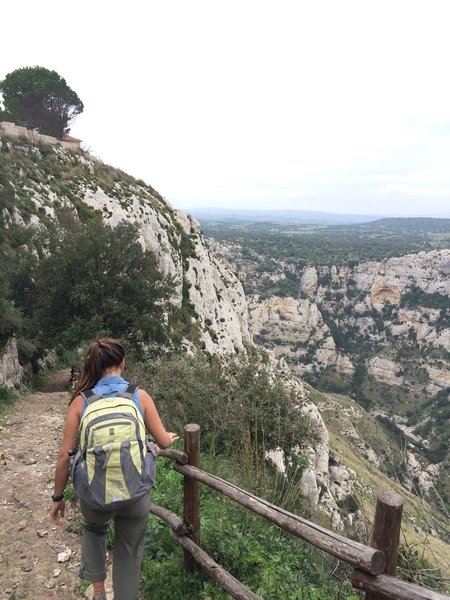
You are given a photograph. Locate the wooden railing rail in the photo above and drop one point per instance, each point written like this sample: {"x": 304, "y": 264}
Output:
{"x": 176, "y": 455}
{"x": 367, "y": 559}
{"x": 385, "y": 586}
{"x": 374, "y": 567}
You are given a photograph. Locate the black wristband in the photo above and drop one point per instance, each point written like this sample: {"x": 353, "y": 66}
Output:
{"x": 58, "y": 498}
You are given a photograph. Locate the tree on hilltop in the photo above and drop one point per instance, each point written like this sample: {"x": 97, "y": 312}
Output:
{"x": 39, "y": 99}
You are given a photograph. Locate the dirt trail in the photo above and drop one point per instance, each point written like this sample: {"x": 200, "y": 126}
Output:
{"x": 30, "y": 435}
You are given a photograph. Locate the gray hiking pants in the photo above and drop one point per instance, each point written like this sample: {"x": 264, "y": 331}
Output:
{"x": 130, "y": 526}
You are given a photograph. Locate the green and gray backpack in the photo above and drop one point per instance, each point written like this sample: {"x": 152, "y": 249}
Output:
{"x": 113, "y": 466}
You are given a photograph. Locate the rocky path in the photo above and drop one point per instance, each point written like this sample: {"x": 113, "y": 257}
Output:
{"x": 30, "y": 435}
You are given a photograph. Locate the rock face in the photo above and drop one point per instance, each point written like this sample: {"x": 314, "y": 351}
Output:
{"x": 216, "y": 294}
{"x": 426, "y": 270}
{"x": 324, "y": 485}
{"x": 291, "y": 323}
{"x": 316, "y": 474}
{"x": 419, "y": 475}
{"x": 384, "y": 370}
{"x": 10, "y": 369}
{"x": 337, "y": 311}
{"x": 156, "y": 228}
{"x": 309, "y": 281}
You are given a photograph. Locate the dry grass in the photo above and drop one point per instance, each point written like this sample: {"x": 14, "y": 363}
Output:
{"x": 418, "y": 521}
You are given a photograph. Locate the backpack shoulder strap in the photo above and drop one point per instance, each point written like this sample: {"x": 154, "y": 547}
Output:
{"x": 89, "y": 396}
{"x": 128, "y": 392}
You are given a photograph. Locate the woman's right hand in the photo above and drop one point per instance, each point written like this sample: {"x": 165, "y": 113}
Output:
{"x": 173, "y": 437}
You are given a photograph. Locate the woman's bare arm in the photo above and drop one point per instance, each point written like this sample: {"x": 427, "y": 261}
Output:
{"x": 62, "y": 462}
{"x": 153, "y": 422}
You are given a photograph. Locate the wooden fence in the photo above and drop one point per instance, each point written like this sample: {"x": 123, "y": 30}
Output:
{"x": 374, "y": 566}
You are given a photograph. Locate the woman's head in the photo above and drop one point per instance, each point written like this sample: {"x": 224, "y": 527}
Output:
{"x": 102, "y": 355}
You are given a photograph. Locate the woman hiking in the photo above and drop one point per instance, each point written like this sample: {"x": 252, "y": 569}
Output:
{"x": 101, "y": 379}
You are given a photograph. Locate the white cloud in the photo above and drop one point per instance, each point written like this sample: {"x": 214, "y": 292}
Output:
{"x": 398, "y": 188}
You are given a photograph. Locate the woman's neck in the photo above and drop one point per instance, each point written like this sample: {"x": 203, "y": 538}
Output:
{"x": 117, "y": 371}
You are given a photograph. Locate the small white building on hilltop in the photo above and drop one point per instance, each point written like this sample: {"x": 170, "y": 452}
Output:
{"x": 38, "y": 138}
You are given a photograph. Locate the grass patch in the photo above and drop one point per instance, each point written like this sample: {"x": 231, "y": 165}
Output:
{"x": 81, "y": 586}
{"x": 7, "y": 398}
{"x": 419, "y": 523}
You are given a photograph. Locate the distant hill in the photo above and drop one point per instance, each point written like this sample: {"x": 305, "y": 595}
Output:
{"x": 329, "y": 243}
{"x": 311, "y": 217}
{"x": 408, "y": 224}
{"x": 293, "y": 216}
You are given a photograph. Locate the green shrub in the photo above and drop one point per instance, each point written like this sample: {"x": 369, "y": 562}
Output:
{"x": 101, "y": 282}
{"x": 236, "y": 402}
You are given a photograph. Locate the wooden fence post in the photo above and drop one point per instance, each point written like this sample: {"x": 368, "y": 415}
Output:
{"x": 386, "y": 533}
{"x": 191, "y": 492}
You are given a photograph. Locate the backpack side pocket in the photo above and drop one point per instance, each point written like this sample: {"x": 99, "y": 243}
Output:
{"x": 149, "y": 473}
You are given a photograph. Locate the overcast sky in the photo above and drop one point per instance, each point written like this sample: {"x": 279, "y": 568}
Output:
{"x": 341, "y": 106}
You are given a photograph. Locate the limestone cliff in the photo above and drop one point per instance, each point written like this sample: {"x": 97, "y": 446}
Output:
{"x": 10, "y": 369}
{"x": 335, "y": 312}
